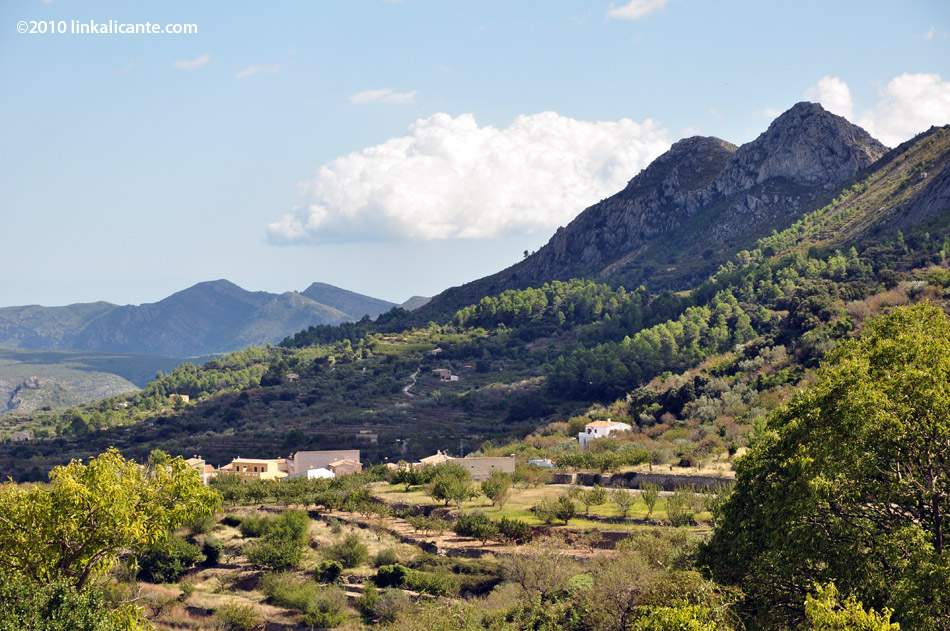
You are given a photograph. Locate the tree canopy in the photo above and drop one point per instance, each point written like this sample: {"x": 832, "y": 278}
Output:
{"x": 91, "y": 514}
{"x": 851, "y": 483}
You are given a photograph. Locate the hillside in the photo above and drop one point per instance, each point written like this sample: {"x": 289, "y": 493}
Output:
{"x": 354, "y": 304}
{"x": 693, "y": 208}
{"x": 210, "y": 317}
{"x": 695, "y": 373}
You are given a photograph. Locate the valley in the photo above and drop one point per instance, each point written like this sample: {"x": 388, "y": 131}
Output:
{"x": 755, "y": 315}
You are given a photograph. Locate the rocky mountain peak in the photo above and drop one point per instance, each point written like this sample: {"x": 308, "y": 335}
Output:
{"x": 695, "y": 206}
{"x": 807, "y": 145}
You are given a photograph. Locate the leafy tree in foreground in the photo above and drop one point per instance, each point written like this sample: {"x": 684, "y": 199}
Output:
{"x": 851, "y": 483}
{"x": 451, "y": 483}
{"x": 92, "y": 513}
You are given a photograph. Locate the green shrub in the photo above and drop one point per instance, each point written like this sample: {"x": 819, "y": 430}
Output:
{"x": 336, "y": 526}
{"x": 440, "y": 582}
{"x": 390, "y": 605}
{"x": 57, "y": 606}
{"x": 679, "y": 506}
{"x": 391, "y": 576}
{"x": 167, "y": 562}
{"x": 368, "y": 601}
{"x": 650, "y": 493}
{"x": 514, "y": 531}
{"x": 290, "y": 524}
{"x": 351, "y": 552}
{"x": 187, "y": 589}
{"x": 328, "y": 608}
{"x": 274, "y": 554}
{"x": 285, "y": 590}
{"x": 202, "y": 525}
{"x": 476, "y": 525}
{"x": 235, "y": 617}
{"x": 428, "y": 524}
{"x": 212, "y": 549}
{"x": 252, "y": 526}
{"x": 386, "y": 557}
{"x": 328, "y": 571}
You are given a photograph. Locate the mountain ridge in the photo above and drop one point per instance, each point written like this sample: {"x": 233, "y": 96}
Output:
{"x": 693, "y": 208}
{"x": 208, "y": 317}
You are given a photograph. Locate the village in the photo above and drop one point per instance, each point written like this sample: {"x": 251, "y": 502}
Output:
{"x": 337, "y": 462}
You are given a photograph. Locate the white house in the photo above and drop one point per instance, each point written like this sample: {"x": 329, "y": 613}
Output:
{"x": 312, "y": 474}
{"x": 600, "y": 429}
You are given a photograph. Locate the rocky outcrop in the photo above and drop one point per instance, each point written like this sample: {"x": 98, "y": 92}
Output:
{"x": 694, "y": 207}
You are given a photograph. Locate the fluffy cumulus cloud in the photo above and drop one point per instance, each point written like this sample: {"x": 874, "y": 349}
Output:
{"x": 909, "y": 104}
{"x": 384, "y": 95}
{"x": 635, "y": 9}
{"x": 451, "y": 178}
{"x": 834, "y": 95}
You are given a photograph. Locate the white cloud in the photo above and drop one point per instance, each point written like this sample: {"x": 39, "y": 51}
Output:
{"x": 127, "y": 67}
{"x": 768, "y": 112}
{"x": 909, "y": 104}
{"x": 256, "y": 69}
{"x": 451, "y": 178}
{"x": 834, "y": 95}
{"x": 930, "y": 34}
{"x": 385, "y": 95}
{"x": 635, "y": 9}
{"x": 192, "y": 64}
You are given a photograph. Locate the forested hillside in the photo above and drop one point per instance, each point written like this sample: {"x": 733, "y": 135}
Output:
{"x": 696, "y": 371}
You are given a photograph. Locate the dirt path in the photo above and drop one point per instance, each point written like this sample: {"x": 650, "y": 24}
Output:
{"x": 413, "y": 377}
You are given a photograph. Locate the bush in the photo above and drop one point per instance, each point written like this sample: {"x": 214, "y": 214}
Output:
{"x": 428, "y": 524}
{"x": 679, "y": 506}
{"x": 328, "y": 571}
{"x": 391, "y": 576}
{"x": 167, "y": 562}
{"x": 57, "y": 606}
{"x": 386, "y": 557}
{"x": 252, "y": 526}
{"x": 476, "y": 525}
{"x": 390, "y": 605}
{"x": 336, "y": 526}
{"x": 285, "y": 590}
{"x": 212, "y": 549}
{"x": 368, "y": 601}
{"x": 235, "y": 617}
{"x": 290, "y": 524}
{"x": 328, "y": 609}
{"x": 187, "y": 589}
{"x": 274, "y": 554}
{"x": 514, "y": 531}
{"x": 202, "y": 525}
{"x": 351, "y": 552}
{"x": 440, "y": 582}
{"x": 650, "y": 493}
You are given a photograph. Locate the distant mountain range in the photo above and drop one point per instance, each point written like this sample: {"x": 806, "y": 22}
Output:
{"x": 693, "y": 208}
{"x": 210, "y": 317}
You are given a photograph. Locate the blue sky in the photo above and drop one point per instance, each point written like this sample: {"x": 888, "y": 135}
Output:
{"x": 395, "y": 148}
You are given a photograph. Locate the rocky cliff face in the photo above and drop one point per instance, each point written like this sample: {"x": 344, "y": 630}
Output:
{"x": 695, "y": 206}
